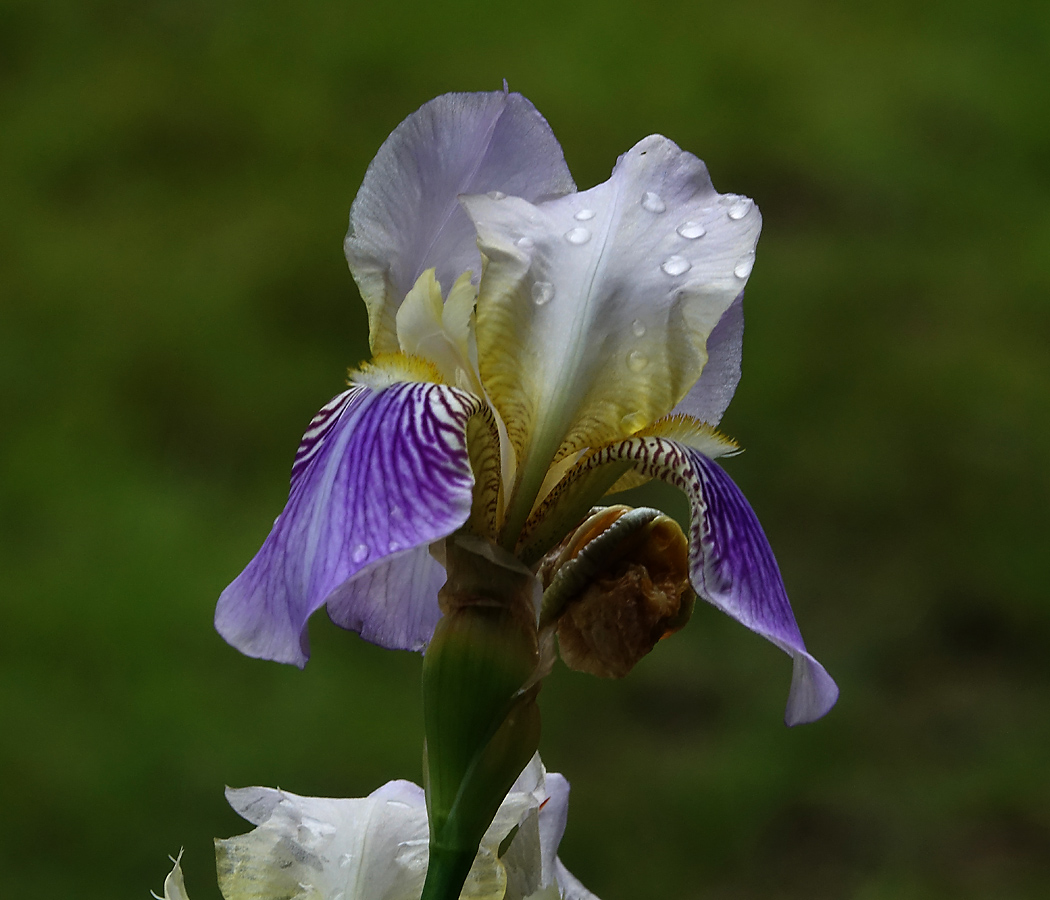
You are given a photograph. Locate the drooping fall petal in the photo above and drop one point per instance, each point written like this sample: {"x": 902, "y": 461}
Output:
{"x": 731, "y": 564}
{"x": 379, "y": 475}
{"x": 406, "y": 217}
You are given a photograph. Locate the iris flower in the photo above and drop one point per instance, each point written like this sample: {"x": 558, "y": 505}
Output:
{"x": 375, "y": 847}
{"x": 534, "y": 347}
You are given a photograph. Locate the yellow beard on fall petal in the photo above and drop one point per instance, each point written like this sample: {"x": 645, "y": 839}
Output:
{"x": 386, "y": 369}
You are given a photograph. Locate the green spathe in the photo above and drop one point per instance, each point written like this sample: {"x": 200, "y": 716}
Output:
{"x": 479, "y": 701}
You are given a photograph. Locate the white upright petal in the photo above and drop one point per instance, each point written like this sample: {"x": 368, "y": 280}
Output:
{"x": 708, "y": 399}
{"x": 314, "y": 848}
{"x": 595, "y": 308}
{"x": 406, "y": 217}
{"x": 174, "y": 886}
{"x": 376, "y": 848}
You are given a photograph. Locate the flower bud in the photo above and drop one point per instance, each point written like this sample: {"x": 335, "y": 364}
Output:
{"x": 616, "y": 586}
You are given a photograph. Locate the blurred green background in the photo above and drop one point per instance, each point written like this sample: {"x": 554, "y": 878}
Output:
{"x": 175, "y": 179}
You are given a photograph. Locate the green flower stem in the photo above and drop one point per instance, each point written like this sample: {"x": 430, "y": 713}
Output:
{"x": 446, "y": 872}
{"x": 479, "y": 706}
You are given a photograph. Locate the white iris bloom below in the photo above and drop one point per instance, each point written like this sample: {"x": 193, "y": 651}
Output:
{"x": 376, "y": 847}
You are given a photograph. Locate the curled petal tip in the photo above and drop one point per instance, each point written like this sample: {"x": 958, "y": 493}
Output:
{"x": 813, "y": 691}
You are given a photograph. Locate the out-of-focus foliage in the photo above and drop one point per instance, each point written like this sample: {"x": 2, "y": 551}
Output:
{"x": 175, "y": 179}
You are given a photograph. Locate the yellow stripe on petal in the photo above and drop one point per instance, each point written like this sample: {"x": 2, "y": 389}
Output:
{"x": 595, "y": 309}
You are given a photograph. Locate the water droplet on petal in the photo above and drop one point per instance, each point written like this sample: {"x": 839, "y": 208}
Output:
{"x": 584, "y": 215}
{"x": 542, "y": 293}
{"x": 638, "y": 327}
{"x": 525, "y": 242}
{"x": 345, "y": 860}
{"x": 691, "y": 230}
{"x": 676, "y": 265}
{"x": 496, "y": 195}
{"x": 633, "y": 422}
{"x": 744, "y": 267}
{"x": 578, "y": 235}
{"x": 393, "y": 546}
{"x": 637, "y": 361}
{"x": 741, "y": 207}
{"x": 360, "y": 553}
{"x": 653, "y": 203}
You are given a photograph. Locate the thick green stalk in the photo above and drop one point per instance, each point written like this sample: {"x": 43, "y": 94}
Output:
{"x": 479, "y": 705}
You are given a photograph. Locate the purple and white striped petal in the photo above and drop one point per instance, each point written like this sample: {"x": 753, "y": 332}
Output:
{"x": 732, "y": 566}
{"x": 379, "y": 475}
{"x": 406, "y": 217}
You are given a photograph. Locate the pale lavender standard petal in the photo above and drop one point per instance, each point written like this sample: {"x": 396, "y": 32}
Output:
{"x": 379, "y": 475}
{"x": 732, "y": 566}
{"x": 406, "y": 217}
{"x": 709, "y": 398}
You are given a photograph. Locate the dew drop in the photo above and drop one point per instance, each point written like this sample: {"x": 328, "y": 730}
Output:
{"x": 676, "y": 265}
{"x": 691, "y": 230}
{"x": 578, "y": 235}
{"x": 744, "y": 267}
{"x": 345, "y": 860}
{"x": 637, "y": 361}
{"x": 542, "y": 293}
{"x": 638, "y": 327}
{"x": 394, "y": 546}
{"x": 741, "y": 207}
{"x": 653, "y": 203}
{"x": 496, "y": 195}
{"x": 360, "y": 553}
{"x": 525, "y": 242}
{"x": 584, "y": 215}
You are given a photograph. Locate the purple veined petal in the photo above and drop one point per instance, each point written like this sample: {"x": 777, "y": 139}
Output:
{"x": 406, "y": 217}
{"x": 379, "y": 475}
{"x": 736, "y": 571}
{"x": 409, "y": 583}
{"x": 709, "y": 398}
{"x": 732, "y": 566}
